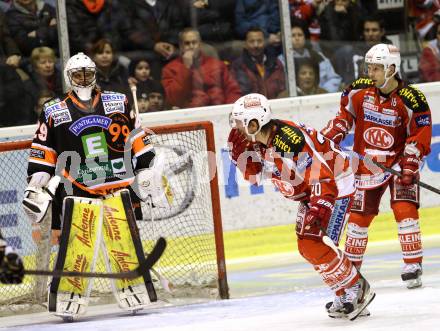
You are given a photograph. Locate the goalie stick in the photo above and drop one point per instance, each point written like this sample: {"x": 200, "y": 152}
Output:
{"x": 150, "y": 261}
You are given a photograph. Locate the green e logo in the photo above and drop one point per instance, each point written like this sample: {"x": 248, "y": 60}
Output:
{"x": 94, "y": 145}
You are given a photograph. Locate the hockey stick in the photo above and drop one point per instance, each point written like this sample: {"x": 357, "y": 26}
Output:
{"x": 150, "y": 261}
{"x": 391, "y": 171}
{"x": 133, "y": 89}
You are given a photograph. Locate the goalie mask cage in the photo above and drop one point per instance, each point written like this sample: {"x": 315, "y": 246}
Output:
{"x": 194, "y": 260}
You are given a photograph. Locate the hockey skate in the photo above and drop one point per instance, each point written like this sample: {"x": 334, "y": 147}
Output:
{"x": 353, "y": 303}
{"x": 133, "y": 298}
{"x": 335, "y": 309}
{"x": 411, "y": 275}
{"x": 70, "y": 305}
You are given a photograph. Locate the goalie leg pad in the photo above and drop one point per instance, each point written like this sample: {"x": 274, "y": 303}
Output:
{"x": 123, "y": 250}
{"x": 79, "y": 248}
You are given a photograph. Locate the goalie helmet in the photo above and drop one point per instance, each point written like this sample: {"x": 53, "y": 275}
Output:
{"x": 250, "y": 107}
{"x": 386, "y": 55}
{"x": 81, "y": 63}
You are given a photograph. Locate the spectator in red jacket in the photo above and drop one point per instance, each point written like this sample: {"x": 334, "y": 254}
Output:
{"x": 194, "y": 79}
{"x": 429, "y": 64}
{"x": 258, "y": 71}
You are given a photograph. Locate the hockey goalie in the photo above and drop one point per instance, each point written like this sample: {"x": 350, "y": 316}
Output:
{"x": 90, "y": 137}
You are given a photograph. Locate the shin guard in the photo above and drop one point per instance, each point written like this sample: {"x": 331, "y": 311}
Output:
{"x": 78, "y": 251}
{"x": 123, "y": 252}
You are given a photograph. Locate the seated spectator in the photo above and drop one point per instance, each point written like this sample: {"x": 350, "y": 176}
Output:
{"x": 157, "y": 24}
{"x": 32, "y": 23}
{"x": 329, "y": 79}
{"x": 207, "y": 17}
{"x": 339, "y": 23}
{"x": 110, "y": 75}
{"x": 194, "y": 79}
{"x": 139, "y": 70}
{"x": 91, "y": 20}
{"x": 9, "y": 52}
{"x": 152, "y": 96}
{"x": 308, "y": 13}
{"x": 307, "y": 77}
{"x": 429, "y": 64}
{"x": 349, "y": 59}
{"x": 261, "y": 13}
{"x": 15, "y": 103}
{"x": 43, "y": 97}
{"x": 257, "y": 71}
{"x": 426, "y": 15}
{"x": 44, "y": 74}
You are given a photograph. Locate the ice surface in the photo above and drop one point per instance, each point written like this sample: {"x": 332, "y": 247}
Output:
{"x": 284, "y": 294}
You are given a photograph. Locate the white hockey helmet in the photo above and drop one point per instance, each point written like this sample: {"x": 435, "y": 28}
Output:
{"x": 386, "y": 55}
{"x": 250, "y": 107}
{"x": 81, "y": 63}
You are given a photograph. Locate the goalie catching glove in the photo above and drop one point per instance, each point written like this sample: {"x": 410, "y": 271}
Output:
{"x": 38, "y": 195}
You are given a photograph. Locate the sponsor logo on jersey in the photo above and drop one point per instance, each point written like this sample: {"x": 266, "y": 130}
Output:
{"x": 281, "y": 144}
{"x": 284, "y": 187}
{"x": 61, "y": 116}
{"x": 91, "y": 173}
{"x": 113, "y": 103}
{"x": 369, "y": 98}
{"x": 337, "y": 220}
{"x": 118, "y": 166}
{"x": 389, "y": 111}
{"x": 378, "y": 137}
{"x": 105, "y": 97}
{"x": 304, "y": 161}
{"x": 371, "y": 181}
{"x": 94, "y": 145}
{"x": 37, "y": 153}
{"x": 423, "y": 120}
{"x": 381, "y": 119}
{"x": 89, "y": 121}
{"x": 370, "y": 106}
{"x": 53, "y": 107}
{"x": 293, "y": 135}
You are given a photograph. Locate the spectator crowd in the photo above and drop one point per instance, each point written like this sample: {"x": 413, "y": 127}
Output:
{"x": 195, "y": 53}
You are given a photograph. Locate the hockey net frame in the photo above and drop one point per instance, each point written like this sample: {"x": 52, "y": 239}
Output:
{"x": 193, "y": 164}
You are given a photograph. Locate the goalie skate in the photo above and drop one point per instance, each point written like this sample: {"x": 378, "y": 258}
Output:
{"x": 70, "y": 305}
{"x": 411, "y": 275}
{"x": 133, "y": 298}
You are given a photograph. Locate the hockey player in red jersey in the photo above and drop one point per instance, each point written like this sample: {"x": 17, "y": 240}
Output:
{"x": 392, "y": 126}
{"x": 11, "y": 265}
{"x": 90, "y": 136}
{"x": 307, "y": 168}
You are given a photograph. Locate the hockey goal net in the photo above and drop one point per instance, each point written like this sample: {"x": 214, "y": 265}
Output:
{"x": 194, "y": 261}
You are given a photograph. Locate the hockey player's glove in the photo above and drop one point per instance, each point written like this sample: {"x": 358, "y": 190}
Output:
{"x": 37, "y": 198}
{"x": 11, "y": 266}
{"x": 410, "y": 170}
{"x": 238, "y": 143}
{"x": 318, "y": 215}
{"x": 336, "y": 130}
{"x": 152, "y": 185}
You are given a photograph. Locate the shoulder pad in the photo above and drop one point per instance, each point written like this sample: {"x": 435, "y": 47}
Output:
{"x": 288, "y": 139}
{"x": 413, "y": 98}
{"x": 361, "y": 83}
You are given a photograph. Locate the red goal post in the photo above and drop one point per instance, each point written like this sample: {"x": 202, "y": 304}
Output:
{"x": 194, "y": 261}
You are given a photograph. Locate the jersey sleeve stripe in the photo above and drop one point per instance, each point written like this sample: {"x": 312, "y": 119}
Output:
{"x": 144, "y": 150}
{"x": 41, "y": 162}
{"x": 42, "y": 147}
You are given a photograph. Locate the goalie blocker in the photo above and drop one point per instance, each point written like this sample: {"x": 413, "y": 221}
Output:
{"x": 91, "y": 225}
